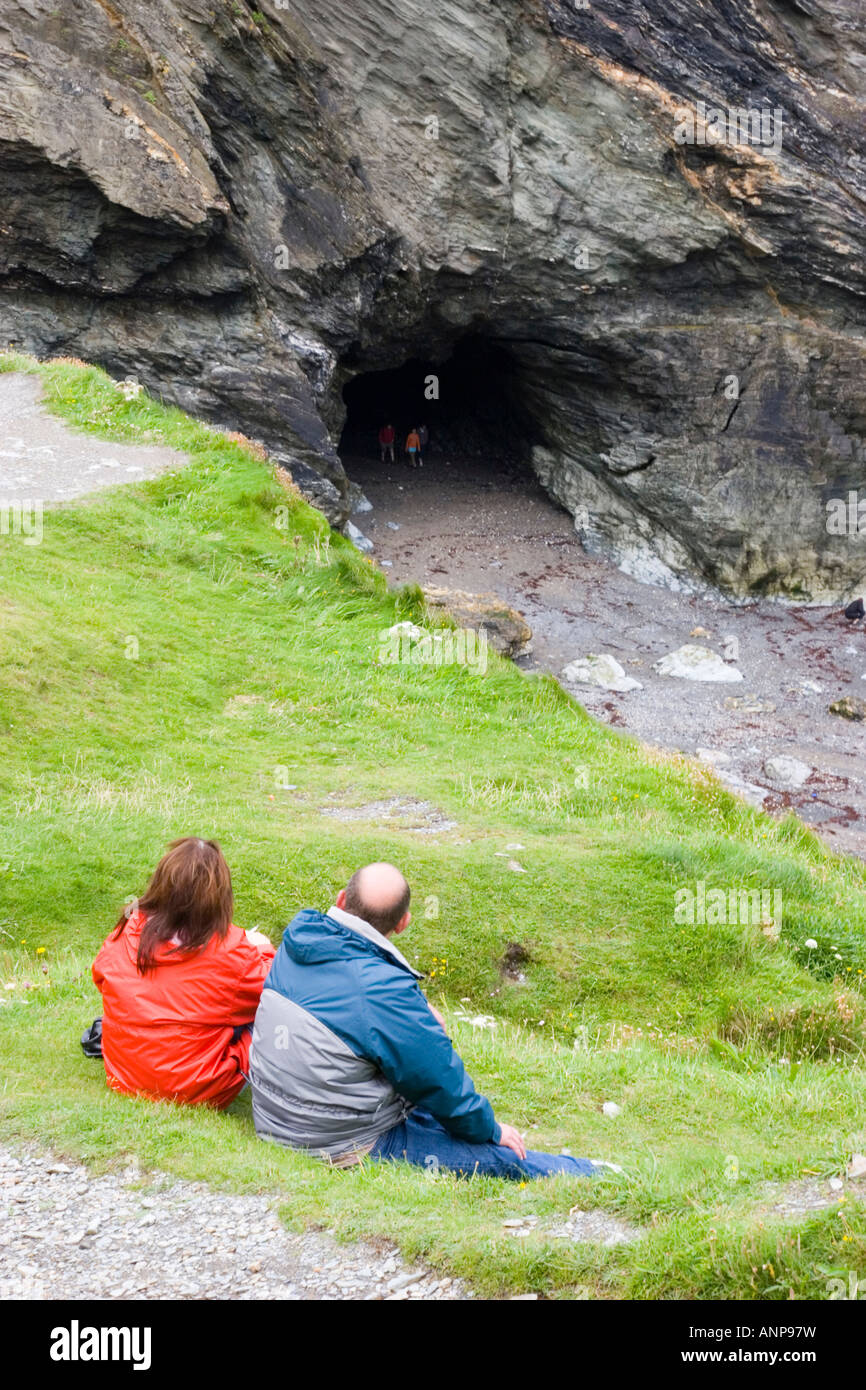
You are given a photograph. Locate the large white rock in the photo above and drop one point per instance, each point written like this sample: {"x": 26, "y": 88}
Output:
{"x": 603, "y": 671}
{"x": 358, "y": 538}
{"x": 747, "y": 790}
{"x": 714, "y": 756}
{"x": 786, "y": 773}
{"x": 693, "y": 663}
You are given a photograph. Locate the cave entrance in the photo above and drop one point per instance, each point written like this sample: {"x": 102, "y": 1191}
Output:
{"x": 475, "y": 517}
{"x": 470, "y": 403}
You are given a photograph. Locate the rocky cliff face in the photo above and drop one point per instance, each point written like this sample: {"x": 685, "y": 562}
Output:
{"x": 246, "y": 207}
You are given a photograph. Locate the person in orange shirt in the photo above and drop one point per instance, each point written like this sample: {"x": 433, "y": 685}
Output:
{"x": 180, "y": 984}
{"x": 413, "y": 448}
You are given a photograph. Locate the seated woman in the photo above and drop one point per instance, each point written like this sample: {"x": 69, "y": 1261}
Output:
{"x": 180, "y": 984}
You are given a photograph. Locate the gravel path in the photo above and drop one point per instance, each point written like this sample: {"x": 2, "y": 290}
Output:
{"x": 464, "y": 524}
{"x": 43, "y": 460}
{"x": 66, "y": 1233}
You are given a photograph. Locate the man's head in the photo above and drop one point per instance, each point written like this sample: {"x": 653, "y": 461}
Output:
{"x": 379, "y": 894}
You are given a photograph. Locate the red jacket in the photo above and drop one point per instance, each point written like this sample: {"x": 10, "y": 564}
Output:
{"x": 168, "y": 1034}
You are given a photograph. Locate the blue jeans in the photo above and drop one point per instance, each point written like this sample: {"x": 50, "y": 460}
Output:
{"x": 421, "y": 1140}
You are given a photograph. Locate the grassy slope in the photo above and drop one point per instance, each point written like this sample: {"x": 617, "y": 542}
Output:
{"x": 105, "y": 757}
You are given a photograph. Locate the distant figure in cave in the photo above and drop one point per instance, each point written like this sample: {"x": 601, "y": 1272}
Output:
{"x": 424, "y": 436}
{"x": 386, "y": 441}
{"x": 413, "y": 448}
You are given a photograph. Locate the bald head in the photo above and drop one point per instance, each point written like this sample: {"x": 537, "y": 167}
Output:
{"x": 379, "y": 894}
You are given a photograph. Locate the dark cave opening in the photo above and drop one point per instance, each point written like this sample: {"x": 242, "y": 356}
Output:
{"x": 470, "y": 403}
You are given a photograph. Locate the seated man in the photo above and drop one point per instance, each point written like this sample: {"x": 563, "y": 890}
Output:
{"x": 348, "y": 1058}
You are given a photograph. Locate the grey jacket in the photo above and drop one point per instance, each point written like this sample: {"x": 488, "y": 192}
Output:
{"x": 344, "y": 1044}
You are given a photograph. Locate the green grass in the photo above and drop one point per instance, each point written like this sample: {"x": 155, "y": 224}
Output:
{"x": 199, "y": 654}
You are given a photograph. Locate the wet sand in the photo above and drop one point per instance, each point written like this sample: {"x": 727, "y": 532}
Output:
{"x": 482, "y": 527}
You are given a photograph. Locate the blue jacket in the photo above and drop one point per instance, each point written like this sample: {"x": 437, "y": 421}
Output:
{"x": 345, "y": 1044}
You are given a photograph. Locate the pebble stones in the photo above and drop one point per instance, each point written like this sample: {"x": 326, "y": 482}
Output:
{"x": 591, "y": 1227}
{"x": 70, "y": 1234}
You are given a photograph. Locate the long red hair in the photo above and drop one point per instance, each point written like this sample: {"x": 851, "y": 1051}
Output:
{"x": 189, "y": 897}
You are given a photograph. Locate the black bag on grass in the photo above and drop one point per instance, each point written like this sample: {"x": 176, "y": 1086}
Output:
{"x": 91, "y": 1041}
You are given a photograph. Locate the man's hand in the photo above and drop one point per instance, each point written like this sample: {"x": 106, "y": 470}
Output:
{"x": 438, "y": 1017}
{"x": 257, "y": 938}
{"x": 513, "y": 1139}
